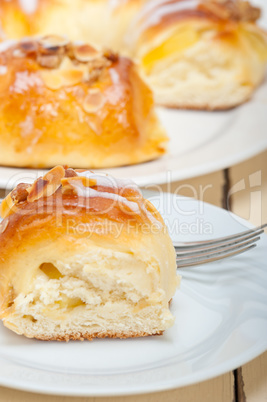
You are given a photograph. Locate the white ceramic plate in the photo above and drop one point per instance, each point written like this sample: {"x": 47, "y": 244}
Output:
{"x": 200, "y": 142}
{"x": 221, "y": 323}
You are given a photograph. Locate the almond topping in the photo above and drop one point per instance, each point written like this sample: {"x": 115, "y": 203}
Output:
{"x": 85, "y": 53}
{"x": 46, "y": 186}
{"x": 238, "y": 10}
{"x": 55, "y": 175}
{"x": 6, "y": 206}
{"x": 49, "y": 61}
{"x": 52, "y": 79}
{"x": 4, "y": 225}
{"x": 60, "y": 78}
{"x": 71, "y": 77}
{"x": 93, "y": 101}
{"x": 111, "y": 56}
{"x": 70, "y": 173}
{"x": 20, "y": 193}
{"x": 37, "y": 190}
{"x": 53, "y": 42}
{"x": 29, "y": 47}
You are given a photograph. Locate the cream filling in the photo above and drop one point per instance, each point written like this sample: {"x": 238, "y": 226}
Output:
{"x": 87, "y": 297}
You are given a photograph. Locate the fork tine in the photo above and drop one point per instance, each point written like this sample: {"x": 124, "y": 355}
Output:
{"x": 256, "y": 231}
{"x": 206, "y": 260}
{"x": 217, "y": 247}
{"x": 211, "y": 253}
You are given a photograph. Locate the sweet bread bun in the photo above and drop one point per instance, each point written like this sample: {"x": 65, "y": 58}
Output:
{"x": 205, "y": 54}
{"x": 84, "y": 256}
{"x": 67, "y": 103}
{"x": 100, "y": 22}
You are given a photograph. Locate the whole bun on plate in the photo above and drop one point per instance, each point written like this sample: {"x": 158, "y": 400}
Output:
{"x": 70, "y": 103}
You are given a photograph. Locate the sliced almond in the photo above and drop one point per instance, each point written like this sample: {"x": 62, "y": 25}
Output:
{"x": 72, "y": 77}
{"x": 46, "y": 186}
{"x": 216, "y": 8}
{"x": 85, "y": 53}
{"x": 37, "y": 190}
{"x": 4, "y": 225}
{"x": 6, "y": 206}
{"x": 49, "y": 61}
{"x": 52, "y": 42}
{"x": 93, "y": 101}
{"x": 56, "y": 79}
{"x": 20, "y": 193}
{"x": 239, "y": 10}
{"x": 70, "y": 173}
{"x": 52, "y": 79}
{"x": 55, "y": 175}
{"x": 111, "y": 56}
{"x": 28, "y": 47}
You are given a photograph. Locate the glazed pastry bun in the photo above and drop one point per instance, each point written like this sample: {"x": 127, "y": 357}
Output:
{"x": 200, "y": 54}
{"x": 67, "y": 103}
{"x": 83, "y": 256}
{"x": 100, "y": 22}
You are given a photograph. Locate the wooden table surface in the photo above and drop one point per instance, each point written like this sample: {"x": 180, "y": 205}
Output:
{"x": 242, "y": 189}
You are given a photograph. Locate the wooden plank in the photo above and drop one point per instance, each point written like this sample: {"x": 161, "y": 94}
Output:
{"x": 2, "y": 193}
{"x": 219, "y": 389}
{"x": 255, "y": 379}
{"x": 249, "y": 189}
{"x": 249, "y": 200}
{"x": 207, "y": 188}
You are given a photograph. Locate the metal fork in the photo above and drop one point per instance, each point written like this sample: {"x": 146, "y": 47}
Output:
{"x": 202, "y": 252}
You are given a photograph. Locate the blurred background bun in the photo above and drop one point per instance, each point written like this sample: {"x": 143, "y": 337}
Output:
{"x": 65, "y": 103}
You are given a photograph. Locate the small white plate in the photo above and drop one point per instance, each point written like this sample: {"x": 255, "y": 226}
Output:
{"x": 200, "y": 142}
{"x": 221, "y": 323}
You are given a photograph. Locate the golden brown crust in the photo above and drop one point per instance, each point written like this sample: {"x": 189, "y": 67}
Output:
{"x": 204, "y": 107}
{"x": 74, "y": 105}
{"x": 89, "y": 337}
{"x": 55, "y": 194}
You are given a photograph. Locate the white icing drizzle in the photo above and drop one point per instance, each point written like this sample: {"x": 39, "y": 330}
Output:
{"x": 90, "y": 192}
{"x": 7, "y": 44}
{"x": 29, "y": 6}
{"x": 109, "y": 181}
{"x": 153, "y": 12}
{"x": 114, "y": 76}
{"x": 3, "y": 70}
